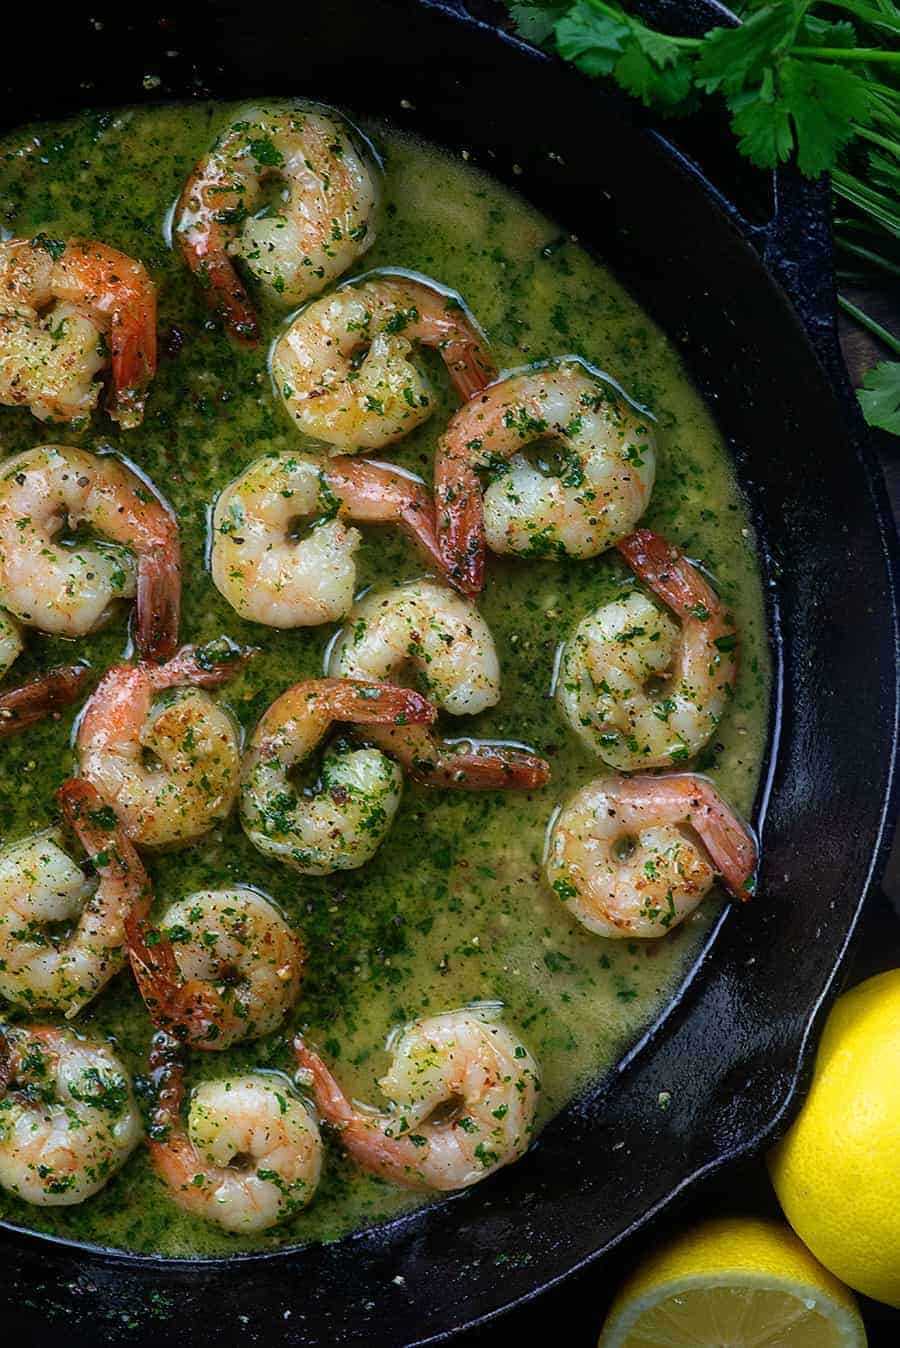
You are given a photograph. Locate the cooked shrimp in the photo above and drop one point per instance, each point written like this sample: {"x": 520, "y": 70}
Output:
{"x": 42, "y": 887}
{"x": 39, "y": 696}
{"x": 192, "y": 783}
{"x": 68, "y": 1117}
{"x": 342, "y": 824}
{"x": 220, "y": 966}
{"x": 633, "y": 856}
{"x": 448, "y": 645}
{"x": 70, "y": 590}
{"x": 251, "y": 1154}
{"x": 343, "y": 366}
{"x": 600, "y": 492}
{"x": 267, "y": 574}
{"x": 463, "y": 1093}
{"x": 325, "y": 220}
{"x": 66, "y": 311}
{"x": 639, "y": 690}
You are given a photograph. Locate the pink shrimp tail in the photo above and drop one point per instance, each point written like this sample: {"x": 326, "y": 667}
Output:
{"x": 469, "y": 364}
{"x": 331, "y": 1101}
{"x": 202, "y": 666}
{"x": 120, "y": 288}
{"x": 365, "y": 702}
{"x": 202, "y": 245}
{"x": 40, "y": 697}
{"x": 693, "y": 799}
{"x": 729, "y": 843}
{"x": 103, "y": 838}
{"x": 159, "y": 601}
{"x": 460, "y": 519}
{"x": 486, "y": 768}
{"x": 668, "y": 573}
{"x": 186, "y": 1010}
{"x": 374, "y": 492}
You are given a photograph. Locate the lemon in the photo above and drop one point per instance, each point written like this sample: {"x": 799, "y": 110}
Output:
{"x": 737, "y": 1282}
{"x": 837, "y": 1171}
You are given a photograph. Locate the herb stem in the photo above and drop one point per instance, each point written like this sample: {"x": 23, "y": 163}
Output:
{"x": 868, "y": 255}
{"x": 848, "y": 54}
{"x": 861, "y": 317}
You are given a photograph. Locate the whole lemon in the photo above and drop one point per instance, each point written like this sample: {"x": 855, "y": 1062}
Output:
{"x": 837, "y": 1171}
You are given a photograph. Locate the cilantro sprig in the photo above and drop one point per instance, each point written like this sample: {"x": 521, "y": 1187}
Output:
{"x": 815, "y": 82}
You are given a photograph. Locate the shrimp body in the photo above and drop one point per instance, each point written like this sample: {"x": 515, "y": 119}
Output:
{"x": 324, "y": 221}
{"x": 424, "y": 626}
{"x": 222, "y": 966}
{"x": 41, "y": 887}
{"x": 342, "y": 824}
{"x": 463, "y": 1094}
{"x": 601, "y": 490}
{"x": 633, "y": 856}
{"x": 194, "y": 782}
{"x": 68, "y": 1117}
{"x": 270, "y": 577}
{"x": 69, "y": 591}
{"x": 639, "y": 689}
{"x": 66, "y": 311}
{"x": 250, "y": 1156}
{"x": 355, "y": 404}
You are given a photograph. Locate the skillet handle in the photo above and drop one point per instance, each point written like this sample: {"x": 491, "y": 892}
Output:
{"x": 797, "y": 248}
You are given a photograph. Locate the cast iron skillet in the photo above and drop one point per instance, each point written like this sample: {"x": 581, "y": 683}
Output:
{"x": 729, "y": 1053}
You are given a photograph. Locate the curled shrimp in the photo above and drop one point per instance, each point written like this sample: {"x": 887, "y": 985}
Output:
{"x": 193, "y": 783}
{"x": 270, "y": 576}
{"x": 601, "y": 489}
{"x": 250, "y": 1155}
{"x": 66, "y": 311}
{"x": 220, "y": 966}
{"x": 343, "y": 366}
{"x": 633, "y": 856}
{"x": 463, "y": 1094}
{"x": 39, "y": 696}
{"x": 341, "y": 825}
{"x": 68, "y": 1117}
{"x": 640, "y": 690}
{"x": 69, "y": 591}
{"x": 323, "y": 223}
{"x": 443, "y": 638}
{"x": 41, "y": 887}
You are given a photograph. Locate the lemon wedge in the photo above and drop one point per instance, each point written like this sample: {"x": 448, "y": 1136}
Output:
{"x": 736, "y": 1283}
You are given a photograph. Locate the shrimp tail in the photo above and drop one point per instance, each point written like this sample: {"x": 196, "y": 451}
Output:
{"x": 120, "y": 287}
{"x": 366, "y": 702}
{"x": 203, "y": 666}
{"x": 331, "y": 1101}
{"x": 203, "y": 249}
{"x": 483, "y": 768}
{"x": 460, "y": 515}
{"x": 100, "y": 833}
{"x": 372, "y": 491}
{"x": 159, "y": 601}
{"x": 730, "y": 844}
{"x": 185, "y": 1010}
{"x": 470, "y": 365}
{"x": 133, "y": 350}
{"x": 364, "y": 1140}
{"x": 668, "y": 573}
{"x": 39, "y": 697}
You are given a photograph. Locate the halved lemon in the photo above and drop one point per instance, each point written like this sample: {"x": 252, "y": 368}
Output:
{"x": 736, "y": 1283}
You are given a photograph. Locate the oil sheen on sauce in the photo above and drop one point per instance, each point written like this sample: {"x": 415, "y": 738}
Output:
{"x": 453, "y": 908}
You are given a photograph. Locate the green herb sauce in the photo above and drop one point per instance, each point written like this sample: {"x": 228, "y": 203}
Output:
{"x": 454, "y": 906}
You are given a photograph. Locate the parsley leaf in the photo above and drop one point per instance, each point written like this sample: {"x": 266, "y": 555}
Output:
{"x": 879, "y": 396}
